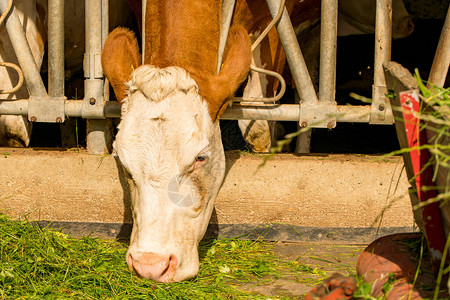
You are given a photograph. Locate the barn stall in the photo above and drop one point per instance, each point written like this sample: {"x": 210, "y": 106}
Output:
{"x": 96, "y": 107}
{"x": 345, "y": 205}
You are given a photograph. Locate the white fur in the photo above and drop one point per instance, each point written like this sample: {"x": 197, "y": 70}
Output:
{"x": 165, "y": 125}
{"x": 256, "y": 133}
{"x": 157, "y": 84}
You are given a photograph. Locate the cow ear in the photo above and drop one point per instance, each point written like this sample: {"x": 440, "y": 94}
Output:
{"x": 120, "y": 56}
{"x": 218, "y": 89}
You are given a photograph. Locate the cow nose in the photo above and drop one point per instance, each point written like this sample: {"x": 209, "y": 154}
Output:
{"x": 161, "y": 268}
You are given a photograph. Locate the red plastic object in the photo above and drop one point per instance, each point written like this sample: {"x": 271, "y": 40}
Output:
{"x": 431, "y": 213}
{"x": 387, "y": 255}
{"x": 392, "y": 258}
{"x": 336, "y": 287}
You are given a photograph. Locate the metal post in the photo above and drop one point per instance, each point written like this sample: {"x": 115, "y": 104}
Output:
{"x": 311, "y": 114}
{"x": 328, "y": 43}
{"x": 441, "y": 60}
{"x": 23, "y": 52}
{"x": 105, "y": 32}
{"x": 294, "y": 55}
{"x": 324, "y": 111}
{"x": 144, "y": 11}
{"x": 56, "y": 48}
{"x": 381, "y": 112}
{"x": 99, "y": 137}
{"x": 52, "y": 109}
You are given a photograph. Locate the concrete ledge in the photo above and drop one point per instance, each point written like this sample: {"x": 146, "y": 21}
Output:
{"x": 324, "y": 191}
{"x": 269, "y": 232}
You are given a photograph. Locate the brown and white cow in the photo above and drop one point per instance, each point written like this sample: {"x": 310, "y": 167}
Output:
{"x": 169, "y": 142}
{"x": 355, "y": 17}
{"x": 15, "y": 131}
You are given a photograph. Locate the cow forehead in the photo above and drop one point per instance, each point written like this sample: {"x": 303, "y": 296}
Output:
{"x": 161, "y": 138}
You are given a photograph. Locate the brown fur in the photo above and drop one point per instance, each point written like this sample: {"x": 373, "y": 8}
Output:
{"x": 120, "y": 57}
{"x": 185, "y": 34}
{"x": 41, "y": 34}
{"x": 217, "y": 89}
{"x": 254, "y": 15}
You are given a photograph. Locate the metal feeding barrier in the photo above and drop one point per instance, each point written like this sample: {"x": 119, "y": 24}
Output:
{"x": 322, "y": 112}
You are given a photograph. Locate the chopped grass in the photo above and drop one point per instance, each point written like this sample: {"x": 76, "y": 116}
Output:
{"x": 37, "y": 263}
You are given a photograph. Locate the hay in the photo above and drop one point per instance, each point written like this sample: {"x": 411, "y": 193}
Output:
{"x": 37, "y": 263}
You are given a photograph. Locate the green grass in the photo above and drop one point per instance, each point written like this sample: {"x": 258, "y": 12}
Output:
{"x": 36, "y": 263}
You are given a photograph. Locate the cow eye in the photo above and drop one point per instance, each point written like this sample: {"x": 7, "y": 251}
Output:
{"x": 201, "y": 158}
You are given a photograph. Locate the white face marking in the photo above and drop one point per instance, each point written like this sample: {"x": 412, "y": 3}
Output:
{"x": 173, "y": 156}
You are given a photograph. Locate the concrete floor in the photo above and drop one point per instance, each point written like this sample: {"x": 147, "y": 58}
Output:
{"x": 326, "y": 258}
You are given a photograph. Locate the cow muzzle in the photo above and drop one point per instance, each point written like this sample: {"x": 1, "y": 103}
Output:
{"x": 149, "y": 265}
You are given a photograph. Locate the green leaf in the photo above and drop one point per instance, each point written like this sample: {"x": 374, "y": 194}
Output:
{"x": 423, "y": 89}
{"x": 224, "y": 269}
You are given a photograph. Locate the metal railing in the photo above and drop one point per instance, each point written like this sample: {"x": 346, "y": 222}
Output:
{"x": 312, "y": 111}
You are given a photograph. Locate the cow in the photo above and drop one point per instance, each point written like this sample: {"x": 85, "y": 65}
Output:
{"x": 359, "y": 18}
{"x": 354, "y": 17}
{"x": 168, "y": 144}
{"x": 15, "y": 131}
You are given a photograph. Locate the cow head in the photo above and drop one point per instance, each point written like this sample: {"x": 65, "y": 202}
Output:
{"x": 172, "y": 155}
{"x": 169, "y": 147}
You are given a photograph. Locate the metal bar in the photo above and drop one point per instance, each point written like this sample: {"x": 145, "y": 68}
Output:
{"x": 294, "y": 55}
{"x": 441, "y": 61}
{"x": 381, "y": 108}
{"x": 56, "y": 48}
{"x": 144, "y": 10}
{"x": 15, "y": 107}
{"x": 19, "y": 82}
{"x": 285, "y": 112}
{"x": 111, "y": 109}
{"x": 98, "y": 137}
{"x": 93, "y": 38}
{"x": 225, "y": 21}
{"x": 265, "y": 99}
{"x": 270, "y": 26}
{"x": 105, "y": 32}
{"x": 328, "y": 42}
{"x": 23, "y": 52}
{"x": 289, "y": 112}
{"x": 383, "y": 37}
{"x": 105, "y": 21}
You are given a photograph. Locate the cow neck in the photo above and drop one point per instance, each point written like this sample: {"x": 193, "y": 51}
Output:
{"x": 185, "y": 34}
